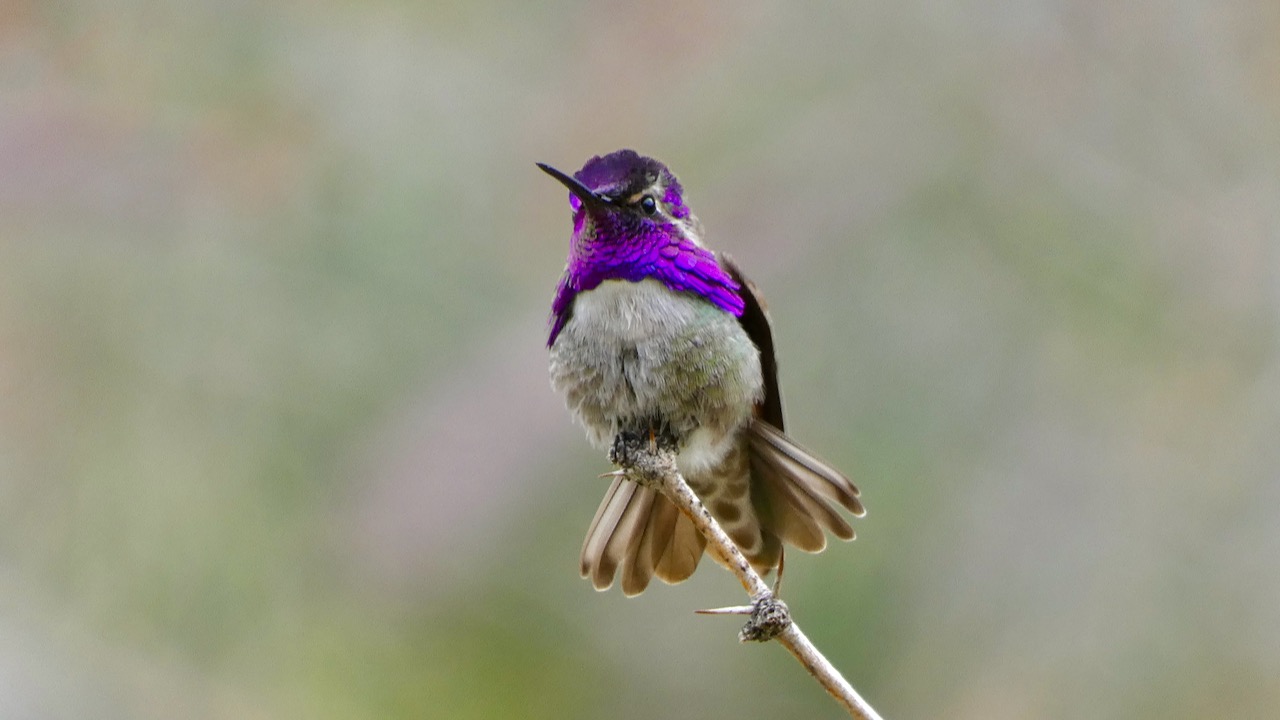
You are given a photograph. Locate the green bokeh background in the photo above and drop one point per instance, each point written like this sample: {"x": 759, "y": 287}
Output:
{"x": 276, "y": 438}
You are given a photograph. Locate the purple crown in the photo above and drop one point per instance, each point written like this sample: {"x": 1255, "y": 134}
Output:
{"x": 619, "y": 243}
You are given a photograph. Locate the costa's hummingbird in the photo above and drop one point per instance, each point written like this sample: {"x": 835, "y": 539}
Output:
{"x": 653, "y": 334}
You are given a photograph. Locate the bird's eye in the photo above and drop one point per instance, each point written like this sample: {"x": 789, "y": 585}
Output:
{"x": 648, "y": 205}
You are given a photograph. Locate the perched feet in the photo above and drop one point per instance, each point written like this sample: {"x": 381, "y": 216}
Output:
{"x": 627, "y": 446}
{"x": 645, "y": 455}
{"x": 649, "y": 439}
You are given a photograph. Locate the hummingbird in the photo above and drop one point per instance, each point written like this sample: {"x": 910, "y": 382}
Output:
{"x": 654, "y": 335}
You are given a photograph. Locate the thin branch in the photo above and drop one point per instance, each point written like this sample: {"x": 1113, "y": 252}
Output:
{"x": 770, "y": 618}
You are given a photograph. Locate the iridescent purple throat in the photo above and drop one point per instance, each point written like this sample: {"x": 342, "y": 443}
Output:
{"x": 648, "y": 251}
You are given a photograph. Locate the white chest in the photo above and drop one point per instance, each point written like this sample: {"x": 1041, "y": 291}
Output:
{"x": 632, "y": 312}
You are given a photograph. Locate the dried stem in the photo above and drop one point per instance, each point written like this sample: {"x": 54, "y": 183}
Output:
{"x": 770, "y": 618}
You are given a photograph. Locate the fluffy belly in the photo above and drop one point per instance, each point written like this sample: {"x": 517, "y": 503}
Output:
{"x": 635, "y": 355}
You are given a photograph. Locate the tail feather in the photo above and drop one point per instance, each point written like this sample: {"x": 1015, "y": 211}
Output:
{"x": 662, "y": 527}
{"x": 784, "y": 510}
{"x": 680, "y": 557}
{"x": 786, "y": 482}
{"x": 817, "y": 477}
{"x": 638, "y": 567}
{"x": 640, "y": 532}
{"x": 594, "y": 560}
{"x": 627, "y": 535}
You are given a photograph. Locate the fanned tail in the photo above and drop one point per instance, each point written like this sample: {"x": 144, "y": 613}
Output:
{"x": 641, "y": 532}
{"x": 792, "y": 490}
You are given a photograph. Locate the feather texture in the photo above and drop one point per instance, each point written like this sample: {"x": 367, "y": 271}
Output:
{"x": 652, "y": 330}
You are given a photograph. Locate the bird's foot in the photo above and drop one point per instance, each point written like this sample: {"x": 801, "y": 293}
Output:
{"x": 644, "y": 454}
{"x": 650, "y": 438}
{"x": 662, "y": 439}
{"x": 626, "y": 449}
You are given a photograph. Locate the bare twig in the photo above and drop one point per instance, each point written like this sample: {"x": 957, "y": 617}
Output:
{"x": 770, "y": 618}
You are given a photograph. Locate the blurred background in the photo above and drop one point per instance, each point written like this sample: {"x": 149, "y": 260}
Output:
{"x": 276, "y": 435}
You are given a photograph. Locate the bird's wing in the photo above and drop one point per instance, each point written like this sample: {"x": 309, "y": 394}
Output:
{"x": 755, "y": 320}
{"x": 791, "y": 487}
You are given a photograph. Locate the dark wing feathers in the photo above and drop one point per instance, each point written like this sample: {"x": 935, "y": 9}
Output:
{"x": 755, "y": 320}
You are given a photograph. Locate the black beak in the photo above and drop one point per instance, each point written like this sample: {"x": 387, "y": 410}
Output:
{"x": 588, "y": 198}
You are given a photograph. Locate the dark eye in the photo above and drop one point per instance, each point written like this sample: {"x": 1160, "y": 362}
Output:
{"x": 648, "y": 205}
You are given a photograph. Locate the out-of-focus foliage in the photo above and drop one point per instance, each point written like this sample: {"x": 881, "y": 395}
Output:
{"x": 276, "y": 438}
